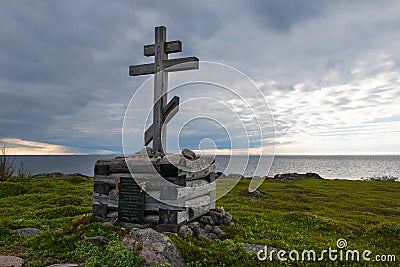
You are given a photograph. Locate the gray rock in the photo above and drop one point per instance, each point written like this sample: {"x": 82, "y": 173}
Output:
{"x": 185, "y": 231}
{"x": 27, "y": 232}
{"x": 188, "y": 154}
{"x": 96, "y": 240}
{"x": 195, "y": 226}
{"x": 296, "y": 176}
{"x": 207, "y": 220}
{"x": 100, "y": 210}
{"x": 211, "y": 236}
{"x": 8, "y": 261}
{"x": 157, "y": 248}
{"x": 208, "y": 229}
{"x": 216, "y": 215}
{"x": 218, "y": 231}
{"x": 228, "y": 216}
{"x": 203, "y": 164}
{"x": 198, "y": 232}
{"x": 226, "y": 221}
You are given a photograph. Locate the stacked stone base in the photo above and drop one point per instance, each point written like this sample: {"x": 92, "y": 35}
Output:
{"x": 207, "y": 227}
{"x": 166, "y": 206}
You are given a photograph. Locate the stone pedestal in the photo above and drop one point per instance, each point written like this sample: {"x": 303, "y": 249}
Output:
{"x": 119, "y": 194}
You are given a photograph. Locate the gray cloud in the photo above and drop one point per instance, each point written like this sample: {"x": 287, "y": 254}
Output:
{"x": 64, "y": 65}
{"x": 283, "y": 15}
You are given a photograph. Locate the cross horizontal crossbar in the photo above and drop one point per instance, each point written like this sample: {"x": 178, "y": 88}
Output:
{"x": 184, "y": 63}
{"x": 170, "y": 65}
{"x": 169, "y": 47}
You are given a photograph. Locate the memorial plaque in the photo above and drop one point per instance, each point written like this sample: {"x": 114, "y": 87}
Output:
{"x": 131, "y": 201}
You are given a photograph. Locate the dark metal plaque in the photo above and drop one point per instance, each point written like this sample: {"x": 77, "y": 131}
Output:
{"x": 131, "y": 201}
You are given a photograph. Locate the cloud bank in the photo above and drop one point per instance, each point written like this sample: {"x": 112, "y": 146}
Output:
{"x": 328, "y": 69}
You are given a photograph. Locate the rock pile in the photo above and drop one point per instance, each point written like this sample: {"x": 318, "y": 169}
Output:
{"x": 207, "y": 226}
{"x": 58, "y": 175}
{"x": 296, "y": 176}
{"x": 159, "y": 204}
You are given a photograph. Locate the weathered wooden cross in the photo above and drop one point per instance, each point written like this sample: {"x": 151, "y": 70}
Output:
{"x": 162, "y": 112}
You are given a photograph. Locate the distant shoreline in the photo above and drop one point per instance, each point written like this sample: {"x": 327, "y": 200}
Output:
{"x": 329, "y": 167}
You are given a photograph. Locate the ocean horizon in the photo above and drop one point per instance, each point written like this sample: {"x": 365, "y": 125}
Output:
{"x": 352, "y": 167}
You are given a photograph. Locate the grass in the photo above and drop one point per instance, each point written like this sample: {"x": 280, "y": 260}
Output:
{"x": 303, "y": 214}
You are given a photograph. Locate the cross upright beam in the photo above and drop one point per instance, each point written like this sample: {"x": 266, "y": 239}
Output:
{"x": 162, "y": 111}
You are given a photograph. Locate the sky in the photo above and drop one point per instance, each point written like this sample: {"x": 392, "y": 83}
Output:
{"x": 318, "y": 77}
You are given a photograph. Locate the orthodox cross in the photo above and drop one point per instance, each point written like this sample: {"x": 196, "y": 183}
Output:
{"x": 162, "y": 111}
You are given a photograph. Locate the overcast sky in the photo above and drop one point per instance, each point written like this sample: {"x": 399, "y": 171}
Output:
{"x": 329, "y": 70}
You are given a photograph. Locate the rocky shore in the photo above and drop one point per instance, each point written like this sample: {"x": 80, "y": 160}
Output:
{"x": 280, "y": 177}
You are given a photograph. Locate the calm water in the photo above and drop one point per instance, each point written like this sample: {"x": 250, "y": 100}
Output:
{"x": 342, "y": 167}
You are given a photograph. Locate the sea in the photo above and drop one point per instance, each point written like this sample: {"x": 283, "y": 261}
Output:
{"x": 329, "y": 167}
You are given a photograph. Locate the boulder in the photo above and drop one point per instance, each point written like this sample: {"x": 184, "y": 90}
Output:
{"x": 226, "y": 221}
{"x": 211, "y": 236}
{"x": 7, "y": 261}
{"x": 196, "y": 229}
{"x": 207, "y": 220}
{"x": 216, "y": 215}
{"x": 185, "y": 231}
{"x": 188, "y": 154}
{"x": 100, "y": 210}
{"x": 157, "y": 248}
{"x": 27, "y": 232}
{"x": 208, "y": 229}
{"x": 218, "y": 231}
{"x": 96, "y": 240}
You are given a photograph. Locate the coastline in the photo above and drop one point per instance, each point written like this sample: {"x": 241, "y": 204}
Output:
{"x": 328, "y": 167}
